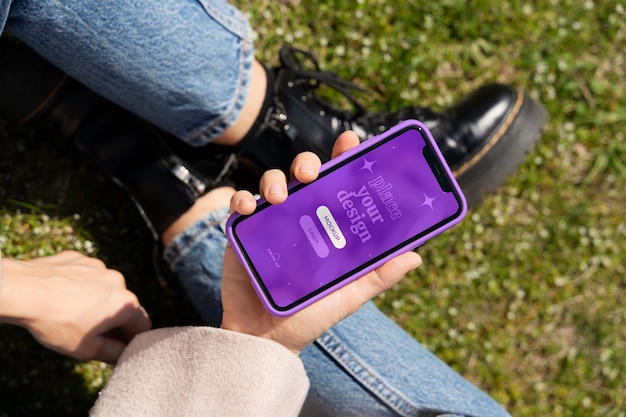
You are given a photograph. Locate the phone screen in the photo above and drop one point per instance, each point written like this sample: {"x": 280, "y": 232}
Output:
{"x": 379, "y": 201}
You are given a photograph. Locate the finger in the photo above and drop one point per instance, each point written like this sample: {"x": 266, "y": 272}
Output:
{"x": 358, "y": 292}
{"x": 305, "y": 167}
{"x": 273, "y": 186}
{"x": 387, "y": 275}
{"x": 346, "y": 141}
{"x": 137, "y": 322}
{"x": 110, "y": 350}
{"x": 113, "y": 334}
{"x": 242, "y": 202}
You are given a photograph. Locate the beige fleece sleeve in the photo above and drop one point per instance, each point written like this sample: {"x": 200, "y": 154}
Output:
{"x": 203, "y": 371}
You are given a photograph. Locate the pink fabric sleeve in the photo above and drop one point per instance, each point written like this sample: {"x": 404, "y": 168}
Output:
{"x": 203, "y": 371}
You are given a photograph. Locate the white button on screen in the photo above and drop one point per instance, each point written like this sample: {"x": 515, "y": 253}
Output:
{"x": 331, "y": 227}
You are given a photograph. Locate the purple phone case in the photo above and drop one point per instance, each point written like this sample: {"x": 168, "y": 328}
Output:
{"x": 363, "y": 210}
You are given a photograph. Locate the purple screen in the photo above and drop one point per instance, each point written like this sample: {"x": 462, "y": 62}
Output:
{"x": 346, "y": 220}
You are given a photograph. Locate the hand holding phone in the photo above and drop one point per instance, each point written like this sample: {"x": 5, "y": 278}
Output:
{"x": 383, "y": 198}
{"x": 243, "y": 310}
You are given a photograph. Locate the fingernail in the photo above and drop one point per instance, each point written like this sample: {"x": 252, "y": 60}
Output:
{"x": 307, "y": 168}
{"x": 239, "y": 202}
{"x": 275, "y": 189}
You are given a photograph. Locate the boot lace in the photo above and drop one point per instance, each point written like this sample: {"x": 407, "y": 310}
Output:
{"x": 365, "y": 124}
{"x": 296, "y": 60}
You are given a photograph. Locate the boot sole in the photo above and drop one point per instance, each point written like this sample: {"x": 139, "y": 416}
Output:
{"x": 506, "y": 150}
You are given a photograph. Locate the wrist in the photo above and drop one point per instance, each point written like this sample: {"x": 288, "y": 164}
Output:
{"x": 263, "y": 335}
{"x": 19, "y": 293}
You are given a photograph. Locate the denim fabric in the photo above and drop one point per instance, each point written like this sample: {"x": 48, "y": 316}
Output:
{"x": 364, "y": 366}
{"x": 4, "y": 12}
{"x": 184, "y": 65}
{"x": 196, "y": 257}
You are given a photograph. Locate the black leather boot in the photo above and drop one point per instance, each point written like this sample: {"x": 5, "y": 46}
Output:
{"x": 483, "y": 137}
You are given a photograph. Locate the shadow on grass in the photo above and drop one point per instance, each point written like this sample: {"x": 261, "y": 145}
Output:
{"x": 39, "y": 173}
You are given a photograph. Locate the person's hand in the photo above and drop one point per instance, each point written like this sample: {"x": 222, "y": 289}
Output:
{"x": 72, "y": 304}
{"x": 243, "y": 311}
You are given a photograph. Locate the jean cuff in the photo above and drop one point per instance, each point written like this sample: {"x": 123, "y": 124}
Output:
{"x": 212, "y": 225}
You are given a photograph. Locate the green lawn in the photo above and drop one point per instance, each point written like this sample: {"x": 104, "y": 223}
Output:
{"x": 525, "y": 298}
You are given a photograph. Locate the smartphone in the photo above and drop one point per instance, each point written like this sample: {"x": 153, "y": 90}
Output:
{"x": 387, "y": 196}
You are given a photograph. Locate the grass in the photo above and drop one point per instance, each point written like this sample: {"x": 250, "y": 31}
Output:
{"x": 525, "y": 298}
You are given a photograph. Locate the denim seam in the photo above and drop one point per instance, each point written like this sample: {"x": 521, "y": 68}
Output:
{"x": 230, "y": 23}
{"x": 243, "y": 84}
{"x": 374, "y": 383}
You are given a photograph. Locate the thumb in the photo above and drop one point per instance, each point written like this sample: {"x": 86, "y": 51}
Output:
{"x": 386, "y": 276}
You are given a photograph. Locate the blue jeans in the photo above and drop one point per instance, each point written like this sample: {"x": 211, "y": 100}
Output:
{"x": 185, "y": 65}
